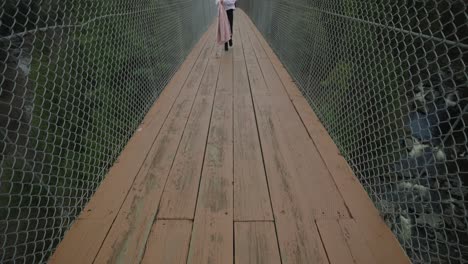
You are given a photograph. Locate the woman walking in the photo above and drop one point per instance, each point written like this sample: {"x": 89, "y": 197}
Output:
{"x": 229, "y": 6}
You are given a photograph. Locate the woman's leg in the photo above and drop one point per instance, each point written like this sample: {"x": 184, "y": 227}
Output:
{"x": 230, "y": 15}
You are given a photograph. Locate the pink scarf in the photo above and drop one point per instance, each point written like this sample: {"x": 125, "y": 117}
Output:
{"x": 224, "y": 30}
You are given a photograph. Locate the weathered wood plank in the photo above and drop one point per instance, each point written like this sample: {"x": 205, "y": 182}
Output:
{"x": 249, "y": 52}
{"x": 280, "y": 124}
{"x": 334, "y": 242}
{"x": 260, "y": 53}
{"x": 251, "y": 197}
{"x": 357, "y": 244}
{"x": 212, "y": 239}
{"x": 293, "y": 204}
{"x": 210, "y": 79}
{"x": 168, "y": 242}
{"x": 257, "y": 83}
{"x": 293, "y": 193}
{"x": 225, "y": 80}
{"x": 285, "y": 78}
{"x": 241, "y": 80}
{"x": 238, "y": 51}
{"x": 356, "y": 198}
{"x": 179, "y": 197}
{"x": 382, "y": 242}
{"x": 274, "y": 84}
{"x": 256, "y": 243}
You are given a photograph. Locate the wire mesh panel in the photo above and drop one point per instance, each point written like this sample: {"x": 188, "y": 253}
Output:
{"x": 77, "y": 77}
{"x": 389, "y": 80}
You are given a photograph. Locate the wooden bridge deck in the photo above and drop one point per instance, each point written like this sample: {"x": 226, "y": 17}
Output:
{"x": 230, "y": 165}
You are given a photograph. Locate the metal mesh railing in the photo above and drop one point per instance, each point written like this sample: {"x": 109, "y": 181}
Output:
{"x": 389, "y": 80}
{"x": 77, "y": 77}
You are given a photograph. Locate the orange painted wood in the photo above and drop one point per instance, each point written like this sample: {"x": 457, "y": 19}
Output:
{"x": 241, "y": 80}
{"x": 301, "y": 189}
{"x": 251, "y": 197}
{"x": 274, "y": 84}
{"x": 83, "y": 241}
{"x": 212, "y": 238}
{"x": 357, "y": 200}
{"x": 225, "y": 79}
{"x": 356, "y": 242}
{"x": 260, "y": 53}
{"x": 179, "y": 197}
{"x": 256, "y": 243}
{"x": 287, "y": 147}
{"x": 298, "y": 180}
{"x": 287, "y": 81}
{"x": 334, "y": 242}
{"x": 382, "y": 242}
{"x": 249, "y": 52}
{"x": 262, "y": 80}
{"x": 344, "y": 242}
{"x": 257, "y": 82}
{"x": 210, "y": 79}
{"x": 168, "y": 242}
{"x": 237, "y": 49}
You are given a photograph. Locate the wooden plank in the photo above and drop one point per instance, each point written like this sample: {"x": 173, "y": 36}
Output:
{"x": 290, "y": 159}
{"x": 356, "y": 242}
{"x": 225, "y": 80}
{"x": 384, "y": 245}
{"x": 168, "y": 242}
{"x": 257, "y": 83}
{"x": 249, "y": 52}
{"x": 286, "y": 143}
{"x": 292, "y": 197}
{"x": 127, "y": 237}
{"x": 82, "y": 242}
{"x": 301, "y": 159}
{"x": 344, "y": 242}
{"x": 274, "y": 84}
{"x": 334, "y": 242}
{"x": 238, "y": 52}
{"x": 180, "y": 193}
{"x": 256, "y": 243}
{"x": 210, "y": 79}
{"x": 256, "y": 76}
{"x": 178, "y": 201}
{"x": 212, "y": 239}
{"x": 285, "y": 78}
{"x": 211, "y": 42}
{"x": 241, "y": 81}
{"x": 260, "y": 53}
{"x": 355, "y": 196}
{"x": 251, "y": 197}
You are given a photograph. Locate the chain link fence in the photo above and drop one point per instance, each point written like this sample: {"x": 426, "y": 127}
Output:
{"x": 389, "y": 80}
{"x": 77, "y": 77}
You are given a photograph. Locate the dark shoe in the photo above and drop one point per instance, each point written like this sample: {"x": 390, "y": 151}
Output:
{"x": 230, "y": 42}
{"x": 226, "y": 48}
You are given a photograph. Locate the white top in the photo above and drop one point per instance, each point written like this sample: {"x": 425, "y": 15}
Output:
{"x": 228, "y": 4}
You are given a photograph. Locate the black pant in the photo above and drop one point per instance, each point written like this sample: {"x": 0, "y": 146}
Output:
{"x": 230, "y": 15}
